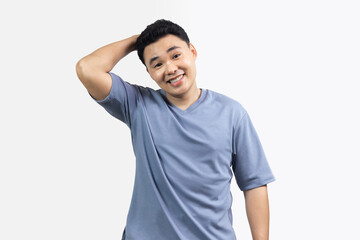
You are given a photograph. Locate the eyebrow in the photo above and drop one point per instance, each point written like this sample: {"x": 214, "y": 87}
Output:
{"x": 169, "y": 50}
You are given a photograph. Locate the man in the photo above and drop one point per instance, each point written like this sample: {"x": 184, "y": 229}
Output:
{"x": 185, "y": 139}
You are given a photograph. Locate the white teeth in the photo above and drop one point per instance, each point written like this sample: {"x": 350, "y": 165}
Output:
{"x": 176, "y": 79}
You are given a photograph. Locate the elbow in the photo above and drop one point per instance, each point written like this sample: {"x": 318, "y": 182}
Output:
{"x": 81, "y": 71}
{"x": 80, "y": 67}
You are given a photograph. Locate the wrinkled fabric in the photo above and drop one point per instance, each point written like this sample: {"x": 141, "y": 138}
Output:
{"x": 185, "y": 161}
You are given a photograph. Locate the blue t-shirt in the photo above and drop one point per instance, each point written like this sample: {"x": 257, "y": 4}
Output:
{"x": 184, "y": 162}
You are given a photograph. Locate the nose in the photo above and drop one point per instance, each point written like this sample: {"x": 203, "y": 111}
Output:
{"x": 170, "y": 68}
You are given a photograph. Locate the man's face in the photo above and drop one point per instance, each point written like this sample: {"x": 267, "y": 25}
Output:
{"x": 171, "y": 64}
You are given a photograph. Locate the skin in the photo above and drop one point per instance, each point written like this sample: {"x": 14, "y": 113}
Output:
{"x": 93, "y": 71}
{"x": 257, "y": 210}
{"x": 173, "y": 58}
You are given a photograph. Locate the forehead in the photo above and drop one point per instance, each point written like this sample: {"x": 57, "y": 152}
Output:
{"x": 160, "y": 47}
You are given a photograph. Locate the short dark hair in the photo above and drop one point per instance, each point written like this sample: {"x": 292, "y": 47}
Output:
{"x": 157, "y": 30}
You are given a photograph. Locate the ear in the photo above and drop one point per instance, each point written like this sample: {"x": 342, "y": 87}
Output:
{"x": 193, "y": 50}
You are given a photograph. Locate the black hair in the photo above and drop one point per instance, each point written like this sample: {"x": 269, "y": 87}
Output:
{"x": 157, "y": 30}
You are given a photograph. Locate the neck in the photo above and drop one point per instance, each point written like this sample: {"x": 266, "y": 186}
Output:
{"x": 186, "y": 100}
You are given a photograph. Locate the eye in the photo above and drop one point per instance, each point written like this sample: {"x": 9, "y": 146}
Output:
{"x": 176, "y": 55}
{"x": 157, "y": 65}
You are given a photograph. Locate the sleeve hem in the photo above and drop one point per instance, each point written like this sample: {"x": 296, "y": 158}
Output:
{"x": 258, "y": 183}
{"x": 107, "y": 98}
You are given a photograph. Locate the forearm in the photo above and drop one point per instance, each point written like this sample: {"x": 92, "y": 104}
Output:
{"x": 105, "y": 58}
{"x": 257, "y": 210}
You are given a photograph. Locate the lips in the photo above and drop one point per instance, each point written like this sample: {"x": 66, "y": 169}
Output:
{"x": 175, "y": 79}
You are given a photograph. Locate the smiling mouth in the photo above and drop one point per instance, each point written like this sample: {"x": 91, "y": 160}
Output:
{"x": 175, "y": 79}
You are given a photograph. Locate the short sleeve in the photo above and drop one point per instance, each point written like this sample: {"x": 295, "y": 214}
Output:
{"x": 250, "y": 166}
{"x": 122, "y": 99}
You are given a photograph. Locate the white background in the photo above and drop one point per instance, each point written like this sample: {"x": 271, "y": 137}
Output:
{"x": 67, "y": 167}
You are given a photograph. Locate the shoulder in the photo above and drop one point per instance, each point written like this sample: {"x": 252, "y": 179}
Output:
{"x": 227, "y": 103}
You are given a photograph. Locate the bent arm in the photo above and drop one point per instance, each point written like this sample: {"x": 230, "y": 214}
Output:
{"x": 257, "y": 210}
{"x": 92, "y": 70}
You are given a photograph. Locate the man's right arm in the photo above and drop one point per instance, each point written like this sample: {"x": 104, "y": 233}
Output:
{"x": 93, "y": 69}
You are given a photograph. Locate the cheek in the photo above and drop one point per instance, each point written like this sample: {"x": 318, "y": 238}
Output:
{"x": 190, "y": 66}
{"x": 188, "y": 62}
{"x": 156, "y": 76}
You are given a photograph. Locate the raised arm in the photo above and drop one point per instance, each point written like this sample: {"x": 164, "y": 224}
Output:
{"x": 93, "y": 69}
{"x": 257, "y": 210}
